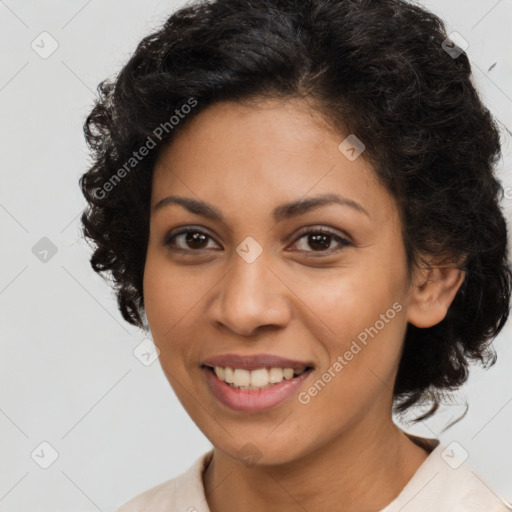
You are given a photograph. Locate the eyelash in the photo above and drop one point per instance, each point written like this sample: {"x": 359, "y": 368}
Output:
{"x": 170, "y": 238}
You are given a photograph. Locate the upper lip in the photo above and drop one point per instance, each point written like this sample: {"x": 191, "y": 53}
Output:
{"x": 253, "y": 362}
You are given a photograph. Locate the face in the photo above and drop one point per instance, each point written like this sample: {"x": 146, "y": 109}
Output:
{"x": 238, "y": 277}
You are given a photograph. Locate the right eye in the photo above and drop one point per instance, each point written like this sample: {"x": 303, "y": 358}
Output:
{"x": 187, "y": 240}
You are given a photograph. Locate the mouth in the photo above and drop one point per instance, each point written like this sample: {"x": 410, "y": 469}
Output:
{"x": 254, "y": 383}
{"x": 256, "y": 379}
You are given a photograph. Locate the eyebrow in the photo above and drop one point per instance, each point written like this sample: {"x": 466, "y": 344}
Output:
{"x": 280, "y": 213}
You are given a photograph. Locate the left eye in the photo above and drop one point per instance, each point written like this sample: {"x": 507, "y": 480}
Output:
{"x": 320, "y": 240}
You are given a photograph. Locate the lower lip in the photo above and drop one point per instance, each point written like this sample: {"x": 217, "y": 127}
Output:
{"x": 253, "y": 400}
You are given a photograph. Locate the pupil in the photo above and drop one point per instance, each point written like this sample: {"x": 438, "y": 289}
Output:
{"x": 321, "y": 240}
{"x": 194, "y": 238}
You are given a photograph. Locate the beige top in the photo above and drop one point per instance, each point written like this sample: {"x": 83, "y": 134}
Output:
{"x": 444, "y": 483}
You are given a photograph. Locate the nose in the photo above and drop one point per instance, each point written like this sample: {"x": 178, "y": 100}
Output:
{"x": 250, "y": 297}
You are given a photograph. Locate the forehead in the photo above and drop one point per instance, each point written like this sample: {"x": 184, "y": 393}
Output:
{"x": 257, "y": 156}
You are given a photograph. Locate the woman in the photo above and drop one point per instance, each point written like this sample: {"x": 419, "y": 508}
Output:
{"x": 297, "y": 198}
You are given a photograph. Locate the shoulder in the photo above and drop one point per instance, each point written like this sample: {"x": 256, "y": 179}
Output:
{"x": 445, "y": 482}
{"x": 184, "y": 492}
{"x": 468, "y": 490}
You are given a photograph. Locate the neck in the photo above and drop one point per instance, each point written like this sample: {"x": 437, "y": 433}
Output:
{"x": 363, "y": 469}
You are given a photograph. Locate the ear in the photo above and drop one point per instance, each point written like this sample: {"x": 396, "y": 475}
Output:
{"x": 433, "y": 291}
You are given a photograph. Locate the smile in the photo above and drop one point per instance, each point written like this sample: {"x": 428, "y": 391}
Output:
{"x": 261, "y": 378}
{"x": 257, "y": 387}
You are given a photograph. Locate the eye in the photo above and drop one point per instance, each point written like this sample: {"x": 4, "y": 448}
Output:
{"x": 188, "y": 240}
{"x": 320, "y": 240}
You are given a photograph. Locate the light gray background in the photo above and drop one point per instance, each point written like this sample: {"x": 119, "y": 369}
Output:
{"x": 68, "y": 375}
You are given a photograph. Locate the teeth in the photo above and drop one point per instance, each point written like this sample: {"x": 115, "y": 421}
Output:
{"x": 241, "y": 377}
{"x": 260, "y": 378}
{"x": 228, "y": 375}
{"x": 275, "y": 375}
{"x": 288, "y": 373}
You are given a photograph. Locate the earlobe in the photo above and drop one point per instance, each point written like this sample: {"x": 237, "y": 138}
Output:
{"x": 433, "y": 294}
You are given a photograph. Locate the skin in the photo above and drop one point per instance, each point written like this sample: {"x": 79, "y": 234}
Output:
{"x": 293, "y": 301}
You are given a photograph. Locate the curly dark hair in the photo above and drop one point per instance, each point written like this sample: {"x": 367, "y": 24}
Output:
{"x": 379, "y": 69}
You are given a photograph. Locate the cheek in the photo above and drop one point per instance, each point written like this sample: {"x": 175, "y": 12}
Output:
{"x": 361, "y": 352}
{"x": 345, "y": 301}
{"x": 169, "y": 295}
{"x": 357, "y": 317}
{"x": 170, "y": 303}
